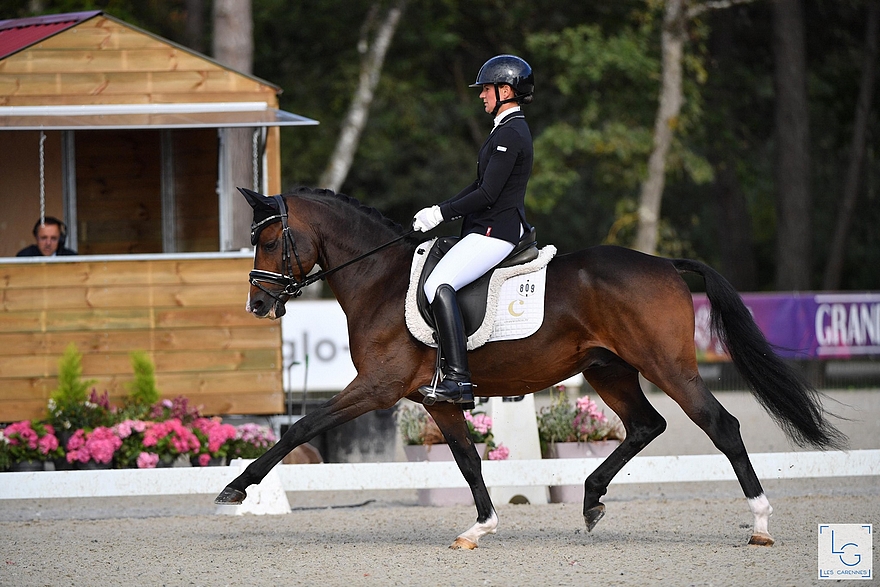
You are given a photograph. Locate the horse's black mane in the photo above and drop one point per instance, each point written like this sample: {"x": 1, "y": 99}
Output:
{"x": 369, "y": 211}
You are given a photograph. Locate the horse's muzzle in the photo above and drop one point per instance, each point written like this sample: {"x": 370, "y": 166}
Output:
{"x": 271, "y": 307}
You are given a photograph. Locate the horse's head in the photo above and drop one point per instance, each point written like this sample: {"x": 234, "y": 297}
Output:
{"x": 283, "y": 258}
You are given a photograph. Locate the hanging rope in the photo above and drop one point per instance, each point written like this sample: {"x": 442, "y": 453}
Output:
{"x": 256, "y": 152}
{"x": 42, "y": 179}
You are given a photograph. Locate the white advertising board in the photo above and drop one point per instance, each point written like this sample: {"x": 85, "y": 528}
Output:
{"x": 315, "y": 330}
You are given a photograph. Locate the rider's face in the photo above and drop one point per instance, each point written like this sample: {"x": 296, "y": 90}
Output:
{"x": 488, "y": 96}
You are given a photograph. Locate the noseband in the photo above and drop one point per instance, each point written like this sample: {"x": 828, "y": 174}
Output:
{"x": 291, "y": 287}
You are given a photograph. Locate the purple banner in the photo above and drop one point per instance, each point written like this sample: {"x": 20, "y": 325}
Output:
{"x": 804, "y": 326}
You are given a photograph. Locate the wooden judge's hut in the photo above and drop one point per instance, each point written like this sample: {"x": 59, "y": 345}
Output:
{"x": 140, "y": 142}
{"x": 137, "y": 144}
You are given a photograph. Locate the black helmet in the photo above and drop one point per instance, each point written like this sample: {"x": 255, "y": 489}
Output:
{"x": 510, "y": 70}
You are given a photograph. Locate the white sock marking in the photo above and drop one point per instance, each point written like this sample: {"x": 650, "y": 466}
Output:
{"x": 479, "y": 530}
{"x": 760, "y": 507}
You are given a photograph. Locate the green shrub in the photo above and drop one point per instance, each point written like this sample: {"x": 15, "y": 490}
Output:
{"x": 68, "y": 405}
{"x": 142, "y": 391}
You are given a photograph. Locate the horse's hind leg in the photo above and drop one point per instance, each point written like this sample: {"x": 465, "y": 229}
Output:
{"x": 617, "y": 383}
{"x": 691, "y": 393}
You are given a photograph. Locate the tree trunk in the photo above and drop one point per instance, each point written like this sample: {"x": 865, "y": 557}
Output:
{"x": 234, "y": 48}
{"x": 234, "y": 34}
{"x": 672, "y": 41}
{"x": 793, "y": 226}
{"x": 734, "y": 235}
{"x": 371, "y": 69}
{"x": 834, "y": 266}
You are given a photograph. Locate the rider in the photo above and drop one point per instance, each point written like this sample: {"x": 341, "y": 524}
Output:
{"x": 493, "y": 213}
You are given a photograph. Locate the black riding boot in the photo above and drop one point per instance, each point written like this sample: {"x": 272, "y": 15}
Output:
{"x": 456, "y": 385}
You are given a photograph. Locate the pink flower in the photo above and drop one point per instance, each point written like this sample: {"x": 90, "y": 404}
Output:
{"x": 204, "y": 459}
{"x": 172, "y": 433}
{"x": 123, "y": 429}
{"x": 481, "y": 422}
{"x": 260, "y": 436}
{"x": 74, "y": 446}
{"x": 99, "y": 445}
{"x": 102, "y": 443}
{"x": 587, "y": 406}
{"x": 48, "y": 443}
{"x": 24, "y": 432}
{"x": 499, "y": 453}
{"x": 30, "y": 441}
{"x": 147, "y": 460}
{"x": 218, "y": 433}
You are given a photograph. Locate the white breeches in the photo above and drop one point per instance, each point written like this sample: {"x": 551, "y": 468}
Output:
{"x": 467, "y": 261}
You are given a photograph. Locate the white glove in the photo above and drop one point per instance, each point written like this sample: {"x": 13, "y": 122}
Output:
{"x": 427, "y": 218}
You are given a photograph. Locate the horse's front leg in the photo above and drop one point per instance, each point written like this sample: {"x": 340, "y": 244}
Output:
{"x": 451, "y": 422}
{"x": 343, "y": 407}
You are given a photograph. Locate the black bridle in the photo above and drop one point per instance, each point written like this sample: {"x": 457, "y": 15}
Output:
{"x": 291, "y": 287}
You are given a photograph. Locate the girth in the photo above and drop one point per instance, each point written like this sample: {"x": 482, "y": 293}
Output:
{"x": 472, "y": 297}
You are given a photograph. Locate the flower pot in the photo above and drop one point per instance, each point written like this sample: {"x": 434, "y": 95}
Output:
{"x": 576, "y": 450}
{"x": 212, "y": 462}
{"x": 27, "y": 466}
{"x": 440, "y": 497}
{"x": 61, "y": 464}
{"x": 93, "y": 466}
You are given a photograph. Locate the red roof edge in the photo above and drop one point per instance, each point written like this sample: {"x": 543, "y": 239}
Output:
{"x": 20, "y": 33}
{"x": 75, "y": 17}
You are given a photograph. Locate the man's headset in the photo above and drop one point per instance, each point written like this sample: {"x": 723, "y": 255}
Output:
{"x": 61, "y": 226}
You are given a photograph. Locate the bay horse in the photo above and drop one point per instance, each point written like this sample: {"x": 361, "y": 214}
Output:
{"x": 611, "y": 313}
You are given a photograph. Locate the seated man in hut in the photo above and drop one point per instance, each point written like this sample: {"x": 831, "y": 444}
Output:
{"x": 50, "y": 234}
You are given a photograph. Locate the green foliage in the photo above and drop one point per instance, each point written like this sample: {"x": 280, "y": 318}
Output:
{"x": 71, "y": 387}
{"x": 142, "y": 391}
{"x": 555, "y": 422}
{"x": 68, "y": 407}
{"x": 563, "y": 421}
{"x": 417, "y": 427}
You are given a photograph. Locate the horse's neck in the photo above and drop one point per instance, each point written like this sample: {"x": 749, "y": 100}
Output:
{"x": 346, "y": 236}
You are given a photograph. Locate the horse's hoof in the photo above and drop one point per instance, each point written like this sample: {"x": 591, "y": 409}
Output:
{"x": 463, "y": 544}
{"x": 230, "y": 496}
{"x": 593, "y": 515}
{"x": 761, "y": 539}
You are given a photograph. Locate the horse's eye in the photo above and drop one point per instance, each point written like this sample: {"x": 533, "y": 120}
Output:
{"x": 270, "y": 246}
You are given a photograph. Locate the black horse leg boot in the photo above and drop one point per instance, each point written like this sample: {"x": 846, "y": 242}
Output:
{"x": 456, "y": 385}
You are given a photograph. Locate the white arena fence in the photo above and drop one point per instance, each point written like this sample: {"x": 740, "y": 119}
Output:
{"x": 434, "y": 475}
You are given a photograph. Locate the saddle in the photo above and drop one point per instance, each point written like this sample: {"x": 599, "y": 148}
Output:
{"x": 473, "y": 297}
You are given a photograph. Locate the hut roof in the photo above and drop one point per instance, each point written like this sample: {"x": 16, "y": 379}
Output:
{"x": 20, "y": 33}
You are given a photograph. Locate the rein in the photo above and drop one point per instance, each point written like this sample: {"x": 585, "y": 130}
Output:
{"x": 292, "y": 288}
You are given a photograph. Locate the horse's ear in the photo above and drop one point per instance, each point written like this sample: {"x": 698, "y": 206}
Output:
{"x": 262, "y": 205}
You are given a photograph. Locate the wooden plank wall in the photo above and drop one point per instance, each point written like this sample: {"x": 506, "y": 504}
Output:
{"x": 187, "y": 314}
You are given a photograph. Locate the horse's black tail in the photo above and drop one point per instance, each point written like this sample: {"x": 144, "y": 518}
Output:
{"x": 792, "y": 402}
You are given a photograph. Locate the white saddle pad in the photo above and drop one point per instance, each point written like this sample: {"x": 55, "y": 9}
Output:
{"x": 515, "y": 305}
